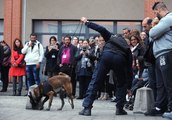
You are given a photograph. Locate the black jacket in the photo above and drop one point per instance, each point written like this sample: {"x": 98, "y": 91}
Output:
{"x": 73, "y": 51}
{"x": 110, "y": 46}
{"x": 51, "y": 60}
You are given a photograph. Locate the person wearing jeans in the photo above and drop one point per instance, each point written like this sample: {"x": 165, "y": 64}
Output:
{"x": 34, "y": 54}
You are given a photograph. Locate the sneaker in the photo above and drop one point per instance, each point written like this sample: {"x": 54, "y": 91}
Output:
{"x": 154, "y": 112}
{"x": 85, "y": 112}
{"x": 121, "y": 112}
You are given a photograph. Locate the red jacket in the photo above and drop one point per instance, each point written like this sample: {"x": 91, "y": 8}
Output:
{"x": 17, "y": 58}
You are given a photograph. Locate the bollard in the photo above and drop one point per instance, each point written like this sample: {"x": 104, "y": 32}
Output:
{"x": 144, "y": 100}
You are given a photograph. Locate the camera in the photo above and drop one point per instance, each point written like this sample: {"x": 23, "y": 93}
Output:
{"x": 84, "y": 49}
{"x": 33, "y": 43}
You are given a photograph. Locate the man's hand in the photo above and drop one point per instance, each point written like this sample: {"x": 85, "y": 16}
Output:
{"x": 84, "y": 19}
{"x": 38, "y": 65}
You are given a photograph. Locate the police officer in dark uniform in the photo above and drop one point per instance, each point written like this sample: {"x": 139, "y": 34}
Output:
{"x": 116, "y": 56}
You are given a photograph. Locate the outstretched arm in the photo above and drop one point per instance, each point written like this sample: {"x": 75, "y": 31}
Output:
{"x": 103, "y": 31}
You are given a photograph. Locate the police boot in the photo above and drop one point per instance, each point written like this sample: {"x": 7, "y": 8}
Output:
{"x": 120, "y": 111}
{"x": 85, "y": 112}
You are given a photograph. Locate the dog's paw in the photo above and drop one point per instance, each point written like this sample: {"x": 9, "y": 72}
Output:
{"x": 72, "y": 106}
{"x": 41, "y": 108}
{"x": 48, "y": 109}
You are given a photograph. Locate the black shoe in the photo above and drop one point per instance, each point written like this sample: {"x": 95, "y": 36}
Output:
{"x": 3, "y": 90}
{"x": 120, "y": 112}
{"x": 86, "y": 112}
{"x": 19, "y": 94}
{"x": 154, "y": 112}
{"x": 14, "y": 93}
{"x": 79, "y": 97}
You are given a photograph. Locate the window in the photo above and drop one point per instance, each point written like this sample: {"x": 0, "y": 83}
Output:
{"x": 46, "y": 29}
{"x": 1, "y": 29}
{"x": 44, "y": 39}
{"x": 130, "y": 25}
{"x": 72, "y": 27}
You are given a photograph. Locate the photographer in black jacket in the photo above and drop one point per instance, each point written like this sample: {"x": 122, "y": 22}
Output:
{"x": 117, "y": 56}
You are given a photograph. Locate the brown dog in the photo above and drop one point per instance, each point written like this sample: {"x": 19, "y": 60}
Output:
{"x": 60, "y": 83}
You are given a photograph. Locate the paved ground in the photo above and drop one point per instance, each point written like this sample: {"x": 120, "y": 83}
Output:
{"x": 13, "y": 108}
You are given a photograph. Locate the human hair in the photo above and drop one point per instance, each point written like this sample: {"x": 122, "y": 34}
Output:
{"x": 68, "y": 36}
{"x": 52, "y": 37}
{"x": 15, "y": 47}
{"x": 135, "y": 32}
{"x": 76, "y": 38}
{"x": 158, "y": 5}
{"x": 149, "y": 21}
{"x": 86, "y": 40}
{"x": 136, "y": 37}
{"x": 126, "y": 29}
{"x": 3, "y": 41}
{"x": 33, "y": 34}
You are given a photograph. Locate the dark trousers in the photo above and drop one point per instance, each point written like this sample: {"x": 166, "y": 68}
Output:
{"x": 164, "y": 80}
{"x": 83, "y": 85}
{"x": 117, "y": 63}
{"x": 5, "y": 77}
{"x": 152, "y": 79}
{"x": 20, "y": 83}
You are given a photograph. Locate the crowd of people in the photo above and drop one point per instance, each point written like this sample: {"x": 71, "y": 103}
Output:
{"x": 105, "y": 65}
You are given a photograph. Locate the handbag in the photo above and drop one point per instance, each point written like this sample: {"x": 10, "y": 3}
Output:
{"x": 22, "y": 63}
{"x": 149, "y": 56}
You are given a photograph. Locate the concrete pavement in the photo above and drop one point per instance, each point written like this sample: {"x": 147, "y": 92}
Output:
{"x": 13, "y": 108}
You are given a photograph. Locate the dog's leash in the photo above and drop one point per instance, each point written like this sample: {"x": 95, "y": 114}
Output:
{"x": 81, "y": 25}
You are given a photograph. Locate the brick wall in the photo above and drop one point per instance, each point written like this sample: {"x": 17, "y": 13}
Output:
{"x": 148, "y": 8}
{"x": 12, "y": 20}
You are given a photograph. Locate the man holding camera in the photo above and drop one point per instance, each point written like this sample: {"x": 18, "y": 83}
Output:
{"x": 34, "y": 54}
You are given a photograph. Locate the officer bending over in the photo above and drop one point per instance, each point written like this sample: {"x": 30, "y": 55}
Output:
{"x": 116, "y": 56}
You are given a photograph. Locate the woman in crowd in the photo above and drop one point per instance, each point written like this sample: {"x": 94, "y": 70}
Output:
{"x": 18, "y": 67}
{"x": 5, "y": 65}
{"x": 84, "y": 68}
{"x": 51, "y": 57}
{"x": 137, "y": 50}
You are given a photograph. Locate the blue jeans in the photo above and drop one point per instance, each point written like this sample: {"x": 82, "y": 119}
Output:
{"x": 117, "y": 63}
{"x": 32, "y": 74}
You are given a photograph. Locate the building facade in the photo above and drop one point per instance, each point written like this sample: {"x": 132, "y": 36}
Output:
{"x": 19, "y": 18}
